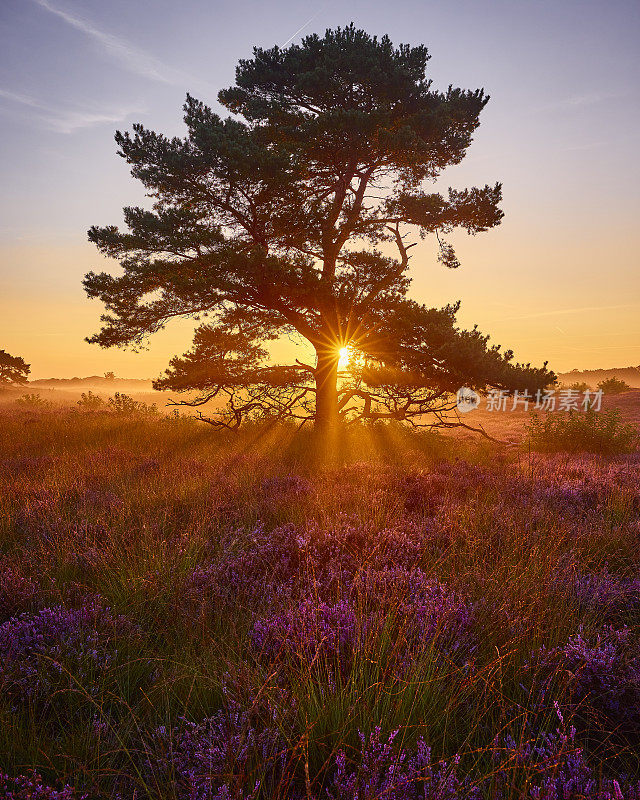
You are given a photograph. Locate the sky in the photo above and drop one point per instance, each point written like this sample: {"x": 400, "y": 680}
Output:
{"x": 558, "y": 280}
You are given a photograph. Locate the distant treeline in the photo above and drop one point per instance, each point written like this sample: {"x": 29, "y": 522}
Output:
{"x": 93, "y": 380}
{"x": 592, "y": 377}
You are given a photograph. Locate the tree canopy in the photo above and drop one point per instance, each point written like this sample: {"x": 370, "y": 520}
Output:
{"x": 13, "y": 369}
{"x": 279, "y": 221}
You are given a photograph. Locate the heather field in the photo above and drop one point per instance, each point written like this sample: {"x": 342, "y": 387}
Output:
{"x": 190, "y": 615}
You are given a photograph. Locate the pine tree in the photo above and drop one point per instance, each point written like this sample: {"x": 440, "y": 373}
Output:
{"x": 13, "y": 369}
{"x": 272, "y": 223}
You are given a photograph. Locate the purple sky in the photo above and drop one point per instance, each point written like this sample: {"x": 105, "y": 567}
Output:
{"x": 558, "y": 280}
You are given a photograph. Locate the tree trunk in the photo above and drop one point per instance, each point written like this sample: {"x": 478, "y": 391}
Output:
{"x": 327, "y": 389}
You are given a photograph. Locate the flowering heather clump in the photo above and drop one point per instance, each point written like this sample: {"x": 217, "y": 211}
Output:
{"x": 567, "y": 497}
{"x": 37, "y": 651}
{"x": 424, "y": 609}
{"x": 17, "y": 591}
{"x": 224, "y": 757}
{"x": 550, "y": 767}
{"x": 286, "y": 486}
{"x": 385, "y": 772}
{"x": 101, "y": 499}
{"x": 589, "y": 473}
{"x": 309, "y": 632}
{"x": 412, "y": 610}
{"x": 265, "y": 569}
{"x": 449, "y": 482}
{"x": 26, "y": 465}
{"x": 31, "y": 787}
{"x": 351, "y": 548}
{"x": 604, "y": 672}
{"x": 554, "y": 767}
{"x": 601, "y": 593}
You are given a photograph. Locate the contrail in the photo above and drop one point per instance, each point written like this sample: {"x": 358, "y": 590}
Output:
{"x": 126, "y": 54}
{"x": 308, "y": 22}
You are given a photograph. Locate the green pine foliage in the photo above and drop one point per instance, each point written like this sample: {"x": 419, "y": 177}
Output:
{"x": 270, "y": 224}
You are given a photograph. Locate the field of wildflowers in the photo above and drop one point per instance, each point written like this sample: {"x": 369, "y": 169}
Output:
{"x": 194, "y": 616}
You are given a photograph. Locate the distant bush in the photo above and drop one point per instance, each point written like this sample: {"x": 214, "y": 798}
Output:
{"x": 90, "y": 402}
{"x": 577, "y": 386}
{"x": 33, "y": 400}
{"x": 613, "y": 386}
{"x": 587, "y": 431}
{"x": 580, "y": 386}
{"x": 122, "y": 403}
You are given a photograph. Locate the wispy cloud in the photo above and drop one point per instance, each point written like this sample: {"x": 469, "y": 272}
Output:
{"x": 577, "y": 101}
{"x": 71, "y": 119}
{"x": 127, "y": 55}
{"x": 581, "y": 310}
{"x": 588, "y": 99}
{"x": 578, "y": 148}
{"x": 22, "y": 99}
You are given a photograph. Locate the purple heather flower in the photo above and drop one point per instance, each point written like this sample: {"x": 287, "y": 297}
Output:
{"x": 222, "y": 757}
{"x": 286, "y": 486}
{"x": 604, "y": 672}
{"x": 31, "y": 787}
{"x": 37, "y": 649}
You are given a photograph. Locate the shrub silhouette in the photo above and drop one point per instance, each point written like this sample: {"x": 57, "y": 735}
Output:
{"x": 90, "y": 402}
{"x": 614, "y": 386}
{"x": 33, "y": 400}
{"x": 587, "y": 431}
{"x": 122, "y": 403}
